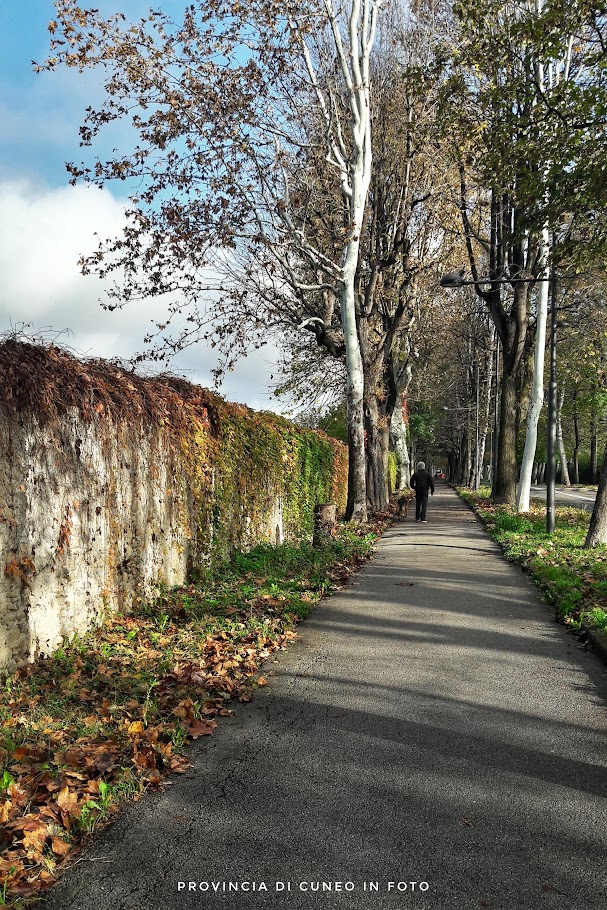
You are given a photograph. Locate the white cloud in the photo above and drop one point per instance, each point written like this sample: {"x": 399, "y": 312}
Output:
{"x": 43, "y": 231}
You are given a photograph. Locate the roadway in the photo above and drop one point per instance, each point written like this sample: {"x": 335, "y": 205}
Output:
{"x": 579, "y": 497}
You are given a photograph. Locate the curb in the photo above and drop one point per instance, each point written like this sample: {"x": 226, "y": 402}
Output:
{"x": 596, "y": 637}
{"x": 598, "y": 640}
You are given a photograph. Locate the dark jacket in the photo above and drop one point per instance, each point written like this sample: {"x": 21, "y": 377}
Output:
{"x": 421, "y": 482}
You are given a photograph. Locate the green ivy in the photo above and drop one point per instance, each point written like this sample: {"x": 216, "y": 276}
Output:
{"x": 240, "y": 469}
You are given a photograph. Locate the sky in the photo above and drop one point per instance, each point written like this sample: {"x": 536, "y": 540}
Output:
{"x": 45, "y": 224}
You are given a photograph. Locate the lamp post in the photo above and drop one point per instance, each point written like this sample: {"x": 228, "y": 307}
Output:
{"x": 496, "y": 410}
{"x": 477, "y": 467}
{"x": 454, "y": 280}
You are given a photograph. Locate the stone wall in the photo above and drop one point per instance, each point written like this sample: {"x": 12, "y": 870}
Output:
{"x": 111, "y": 484}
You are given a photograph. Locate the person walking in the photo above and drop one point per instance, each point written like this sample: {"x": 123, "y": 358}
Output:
{"x": 422, "y": 483}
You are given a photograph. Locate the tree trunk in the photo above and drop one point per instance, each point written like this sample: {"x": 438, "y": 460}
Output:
{"x": 377, "y": 448}
{"x": 464, "y": 465}
{"x": 594, "y": 446}
{"x": 597, "y": 532}
{"x": 560, "y": 444}
{"x": 398, "y": 438}
{"x": 504, "y": 490}
{"x": 537, "y": 393}
{"x": 576, "y": 447}
{"x": 355, "y": 179}
{"x": 325, "y": 522}
{"x": 357, "y": 489}
{"x": 481, "y": 453}
{"x": 452, "y": 462}
{"x": 484, "y": 426}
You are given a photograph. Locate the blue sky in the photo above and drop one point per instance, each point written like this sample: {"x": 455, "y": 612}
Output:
{"x": 40, "y": 112}
{"x": 45, "y": 224}
{"x": 44, "y": 110}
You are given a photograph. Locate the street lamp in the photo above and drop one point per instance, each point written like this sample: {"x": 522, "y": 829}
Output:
{"x": 454, "y": 280}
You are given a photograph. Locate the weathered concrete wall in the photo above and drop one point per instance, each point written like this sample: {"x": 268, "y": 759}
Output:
{"x": 100, "y": 505}
{"x": 83, "y": 526}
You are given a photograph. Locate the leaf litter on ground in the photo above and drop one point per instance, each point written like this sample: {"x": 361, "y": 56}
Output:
{"x": 108, "y": 716}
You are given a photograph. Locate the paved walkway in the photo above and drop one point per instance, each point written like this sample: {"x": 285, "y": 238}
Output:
{"x": 432, "y": 725}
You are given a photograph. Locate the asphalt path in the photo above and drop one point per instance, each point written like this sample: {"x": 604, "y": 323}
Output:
{"x": 433, "y": 734}
{"x": 564, "y": 496}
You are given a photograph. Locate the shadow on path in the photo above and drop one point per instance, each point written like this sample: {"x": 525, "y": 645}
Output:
{"x": 431, "y": 724}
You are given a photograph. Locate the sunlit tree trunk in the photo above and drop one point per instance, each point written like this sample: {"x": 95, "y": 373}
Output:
{"x": 353, "y": 53}
{"x": 377, "y": 446}
{"x": 537, "y": 393}
{"x": 398, "y": 436}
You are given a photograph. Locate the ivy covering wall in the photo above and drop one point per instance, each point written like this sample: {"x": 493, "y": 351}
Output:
{"x": 112, "y": 483}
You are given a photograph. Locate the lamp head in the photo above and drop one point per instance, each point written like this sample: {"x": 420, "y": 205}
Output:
{"x": 452, "y": 279}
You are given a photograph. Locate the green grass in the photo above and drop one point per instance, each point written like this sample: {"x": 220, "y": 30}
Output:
{"x": 573, "y": 578}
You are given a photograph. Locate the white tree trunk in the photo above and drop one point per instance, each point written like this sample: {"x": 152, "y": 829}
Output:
{"x": 523, "y": 492}
{"x": 353, "y": 55}
{"x": 537, "y": 393}
{"x": 354, "y": 390}
{"x": 398, "y": 434}
{"x": 353, "y": 38}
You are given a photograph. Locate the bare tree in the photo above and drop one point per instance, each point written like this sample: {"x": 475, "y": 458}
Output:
{"x": 237, "y": 114}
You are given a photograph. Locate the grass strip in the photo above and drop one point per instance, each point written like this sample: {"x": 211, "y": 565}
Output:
{"x": 108, "y": 716}
{"x": 573, "y": 578}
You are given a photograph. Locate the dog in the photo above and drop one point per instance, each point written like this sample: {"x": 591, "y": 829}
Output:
{"x": 403, "y": 505}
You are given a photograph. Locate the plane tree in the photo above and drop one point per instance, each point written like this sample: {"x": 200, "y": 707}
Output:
{"x": 235, "y": 114}
{"x": 523, "y": 108}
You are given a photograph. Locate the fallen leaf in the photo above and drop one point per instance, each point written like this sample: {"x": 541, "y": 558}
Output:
{"x": 60, "y": 847}
{"x": 18, "y": 795}
{"x": 35, "y": 834}
{"x": 67, "y": 800}
{"x": 202, "y": 728}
